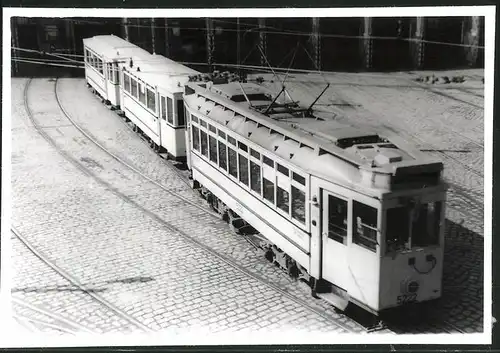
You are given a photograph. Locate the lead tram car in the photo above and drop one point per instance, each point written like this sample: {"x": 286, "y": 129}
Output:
{"x": 357, "y": 215}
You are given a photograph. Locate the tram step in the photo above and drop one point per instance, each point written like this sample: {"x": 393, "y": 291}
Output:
{"x": 335, "y": 300}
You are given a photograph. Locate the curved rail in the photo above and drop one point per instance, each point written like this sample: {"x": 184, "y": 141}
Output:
{"x": 77, "y": 284}
{"x": 222, "y": 257}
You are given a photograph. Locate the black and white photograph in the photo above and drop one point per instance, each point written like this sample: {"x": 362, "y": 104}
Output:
{"x": 247, "y": 176}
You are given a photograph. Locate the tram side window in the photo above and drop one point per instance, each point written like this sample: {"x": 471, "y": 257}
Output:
{"x": 213, "y": 149}
{"x": 397, "y": 229}
{"x": 243, "y": 168}
{"x": 86, "y": 53}
{"x": 164, "y": 109}
{"x": 100, "y": 66}
{"x": 268, "y": 187}
{"x": 426, "y": 224}
{"x": 134, "y": 87}
{"x": 142, "y": 94}
{"x": 364, "y": 225}
{"x": 255, "y": 182}
{"x": 151, "y": 99}
{"x": 170, "y": 113}
{"x": 196, "y": 138}
{"x": 204, "y": 143}
{"x": 180, "y": 113}
{"x": 222, "y": 156}
{"x": 116, "y": 73}
{"x": 282, "y": 199}
{"x": 233, "y": 163}
{"x": 298, "y": 205}
{"x": 337, "y": 219}
{"x": 126, "y": 82}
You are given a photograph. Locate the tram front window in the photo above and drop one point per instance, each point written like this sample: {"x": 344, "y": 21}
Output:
{"x": 413, "y": 227}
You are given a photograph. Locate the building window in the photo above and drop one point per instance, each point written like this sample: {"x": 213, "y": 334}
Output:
{"x": 142, "y": 94}
{"x": 196, "y": 138}
{"x": 134, "y": 87}
{"x": 233, "y": 162}
{"x": 268, "y": 190}
{"x": 243, "y": 168}
{"x": 164, "y": 108}
{"x": 282, "y": 199}
{"x": 222, "y": 156}
{"x": 337, "y": 219}
{"x": 298, "y": 205}
{"x": 364, "y": 225}
{"x": 255, "y": 182}
{"x": 151, "y": 100}
{"x": 170, "y": 112}
{"x": 204, "y": 143}
{"x": 213, "y": 149}
{"x": 180, "y": 113}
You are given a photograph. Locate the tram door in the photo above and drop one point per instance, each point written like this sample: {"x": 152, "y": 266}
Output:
{"x": 334, "y": 234}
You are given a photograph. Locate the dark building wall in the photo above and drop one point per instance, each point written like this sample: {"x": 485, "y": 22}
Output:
{"x": 340, "y": 43}
{"x": 345, "y": 44}
{"x": 391, "y": 49}
{"x": 446, "y": 30}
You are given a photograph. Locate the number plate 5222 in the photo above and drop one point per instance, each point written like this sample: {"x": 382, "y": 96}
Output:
{"x": 406, "y": 298}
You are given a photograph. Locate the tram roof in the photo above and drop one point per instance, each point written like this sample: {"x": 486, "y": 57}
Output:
{"x": 322, "y": 146}
{"x": 155, "y": 70}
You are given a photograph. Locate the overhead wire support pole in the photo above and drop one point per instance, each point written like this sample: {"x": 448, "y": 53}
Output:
{"x": 167, "y": 42}
{"x": 316, "y": 41}
{"x": 125, "y": 28}
{"x": 238, "y": 46}
{"x": 210, "y": 43}
{"x": 153, "y": 28}
{"x": 262, "y": 40}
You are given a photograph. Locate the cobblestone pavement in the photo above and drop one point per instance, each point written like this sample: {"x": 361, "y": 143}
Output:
{"x": 116, "y": 231}
{"x": 53, "y": 304}
{"x": 459, "y": 275}
{"x": 156, "y": 283}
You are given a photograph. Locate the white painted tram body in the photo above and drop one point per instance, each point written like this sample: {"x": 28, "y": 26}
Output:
{"x": 147, "y": 88}
{"x": 338, "y": 200}
{"x": 358, "y": 214}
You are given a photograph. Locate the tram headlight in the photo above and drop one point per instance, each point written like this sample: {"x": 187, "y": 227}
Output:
{"x": 410, "y": 286}
{"x": 413, "y": 287}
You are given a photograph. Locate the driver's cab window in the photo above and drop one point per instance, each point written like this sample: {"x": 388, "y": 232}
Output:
{"x": 364, "y": 230}
{"x": 337, "y": 219}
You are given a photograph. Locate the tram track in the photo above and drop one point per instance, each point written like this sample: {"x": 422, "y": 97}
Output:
{"x": 191, "y": 239}
{"x": 166, "y": 162}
